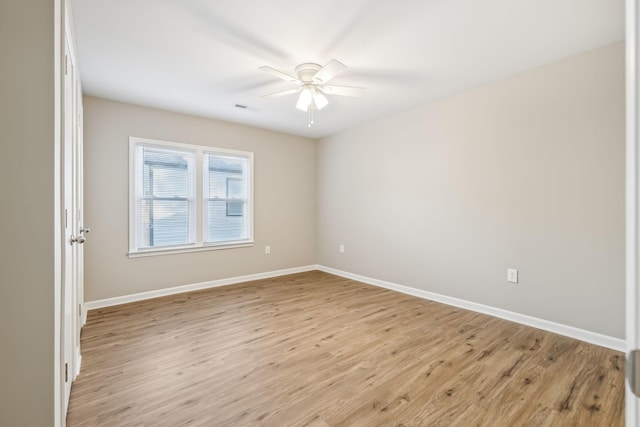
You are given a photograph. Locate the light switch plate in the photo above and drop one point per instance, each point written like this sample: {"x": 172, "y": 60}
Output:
{"x": 512, "y": 275}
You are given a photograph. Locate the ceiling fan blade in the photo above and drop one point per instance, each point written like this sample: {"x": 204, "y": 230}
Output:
{"x": 329, "y": 71}
{"x": 283, "y": 92}
{"x": 279, "y": 74}
{"x": 343, "y": 90}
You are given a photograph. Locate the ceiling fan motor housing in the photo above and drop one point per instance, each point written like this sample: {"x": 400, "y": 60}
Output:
{"x": 305, "y": 72}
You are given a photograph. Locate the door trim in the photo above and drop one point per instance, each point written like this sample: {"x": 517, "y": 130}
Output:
{"x": 632, "y": 407}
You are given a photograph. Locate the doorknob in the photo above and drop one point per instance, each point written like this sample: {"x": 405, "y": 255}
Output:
{"x": 79, "y": 239}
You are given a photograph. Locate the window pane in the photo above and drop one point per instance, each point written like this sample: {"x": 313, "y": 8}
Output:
{"x": 227, "y": 180}
{"x": 163, "y": 199}
{"x": 223, "y": 227}
{"x": 163, "y": 223}
{"x": 221, "y": 169}
{"x": 166, "y": 173}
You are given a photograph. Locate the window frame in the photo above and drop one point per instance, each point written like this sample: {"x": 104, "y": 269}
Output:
{"x": 190, "y": 199}
{"x": 197, "y": 219}
{"x": 248, "y": 223}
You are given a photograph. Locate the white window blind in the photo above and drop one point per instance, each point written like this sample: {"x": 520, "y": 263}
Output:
{"x": 226, "y": 189}
{"x": 188, "y": 197}
{"x": 164, "y": 197}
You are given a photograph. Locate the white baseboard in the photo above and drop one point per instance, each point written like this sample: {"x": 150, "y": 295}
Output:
{"x": 569, "y": 331}
{"x": 83, "y": 315}
{"x": 78, "y": 363}
{"x": 108, "y": 302}
{"x": 558, "y": 328}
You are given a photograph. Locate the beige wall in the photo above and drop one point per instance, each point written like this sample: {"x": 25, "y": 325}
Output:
{"x": 284, "y": 187}
{"x": 27, "y": 213}
{"x": 526, "y": 173}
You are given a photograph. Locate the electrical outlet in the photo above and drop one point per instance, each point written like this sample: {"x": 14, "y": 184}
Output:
{"x": 341, "y": 249}
{"x": 512, "y": 275}
{"x": 267, "y": 250}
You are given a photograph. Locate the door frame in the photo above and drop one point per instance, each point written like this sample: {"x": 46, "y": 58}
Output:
{"x": 68, "y": 161}
{"x": 68, "y": 219}
{"x": 80, "y": 227}
{"x": 632, "y": 406}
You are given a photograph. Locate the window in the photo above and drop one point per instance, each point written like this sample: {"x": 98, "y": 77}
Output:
{"x": 226, "y": 197}
{"x": 187, "y": 197}
{"x": 164, "y": 205}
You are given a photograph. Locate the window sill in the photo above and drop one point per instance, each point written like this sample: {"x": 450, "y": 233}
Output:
{"x": 184, "y": 250}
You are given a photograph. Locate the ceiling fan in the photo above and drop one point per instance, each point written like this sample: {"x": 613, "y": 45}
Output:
{"x": 311, "y": 81}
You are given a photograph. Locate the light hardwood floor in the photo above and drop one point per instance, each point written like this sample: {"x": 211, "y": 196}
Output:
{"x": 313, "y": 349}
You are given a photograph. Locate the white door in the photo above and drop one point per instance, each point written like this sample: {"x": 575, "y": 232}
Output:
{"x": 74, "y": 231}
{"x": 67, "y": 338}
{"x": 633, "y": 217}
{"x": 80, "y": 228}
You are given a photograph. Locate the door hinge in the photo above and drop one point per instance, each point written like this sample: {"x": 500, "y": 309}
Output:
{"x": 66, "y": 65}
{"x": 633, "y": 371}
{"x": 66, "y": 372}
{"x": 79, "y": 310}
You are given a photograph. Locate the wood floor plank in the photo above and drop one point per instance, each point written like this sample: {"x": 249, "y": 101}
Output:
{"x": 316, "y": 350}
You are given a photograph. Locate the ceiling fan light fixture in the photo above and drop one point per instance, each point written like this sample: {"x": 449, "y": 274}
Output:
{"x": 311, "y": 80}
{"x": 320, "y": 100}
{"x": 304, "y": 100}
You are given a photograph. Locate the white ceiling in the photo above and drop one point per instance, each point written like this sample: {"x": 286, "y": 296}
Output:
{"x": 202, "y": 56}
